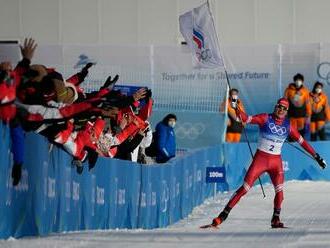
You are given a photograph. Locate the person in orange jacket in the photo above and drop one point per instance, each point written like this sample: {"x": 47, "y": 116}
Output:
{"x": 234, "y": 125}
{"x": 320, "y": 112}
{"x": 299, "y": 100}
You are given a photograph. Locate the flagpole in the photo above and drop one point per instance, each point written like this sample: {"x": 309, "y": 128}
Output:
{"x": 228, "y": 83}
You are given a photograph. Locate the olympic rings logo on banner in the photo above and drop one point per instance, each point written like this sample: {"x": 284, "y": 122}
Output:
{"x": 189, "y": 130}
{"x": 277, "y": 129}
{"x": 206, "y": 55}
{"x": 323, "y": 71}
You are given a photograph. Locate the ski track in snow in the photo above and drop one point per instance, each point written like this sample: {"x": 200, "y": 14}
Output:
{"x": 305, "y": 210}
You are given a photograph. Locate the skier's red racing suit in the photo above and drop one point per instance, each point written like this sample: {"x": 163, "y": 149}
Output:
{"x": 272, "y": 135}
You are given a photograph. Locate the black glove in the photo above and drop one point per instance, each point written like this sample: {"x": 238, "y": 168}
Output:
{"x": 84, "y": 70}
{"x": 78, "y": 164}
{"x": 320, "y": 161}
{"x": 92, "y": 158}
{"x": 146, "y": 130}
{"x": 3, "y": 75}
{"x": 149, "y": 93}
{"x": 16, "y": 173}
{"x": 110, "y": 83}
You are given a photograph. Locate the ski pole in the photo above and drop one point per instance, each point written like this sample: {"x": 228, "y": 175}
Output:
{"x": 246, "y": 137}
{"x": 227, "y": 79}
{"x": 262, "y": 187}
{"x": 301, "y": 150}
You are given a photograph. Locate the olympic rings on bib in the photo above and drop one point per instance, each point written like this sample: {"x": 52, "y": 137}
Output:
{"x": 275, "y": 129}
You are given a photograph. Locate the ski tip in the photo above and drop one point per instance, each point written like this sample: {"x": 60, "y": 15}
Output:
{"x": 208, "y": 226}
{"x": 205, "y": 226}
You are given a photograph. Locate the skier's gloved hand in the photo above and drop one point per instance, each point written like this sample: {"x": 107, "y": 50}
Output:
{"x": 110, "y": 83}
{"x": 320, "y": 161}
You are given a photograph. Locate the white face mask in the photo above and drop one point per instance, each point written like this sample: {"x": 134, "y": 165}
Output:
{"x": 298, "y": 83}
{"x": 318, "y": 90}
{"x": 171, "y": 124}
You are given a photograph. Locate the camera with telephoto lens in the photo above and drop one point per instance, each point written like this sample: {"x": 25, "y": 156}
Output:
{"x": 234, "y": 101}
{"x": 234, "y": 98}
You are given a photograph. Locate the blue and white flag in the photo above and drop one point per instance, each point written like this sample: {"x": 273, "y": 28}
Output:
{"x": 197, "y": 28}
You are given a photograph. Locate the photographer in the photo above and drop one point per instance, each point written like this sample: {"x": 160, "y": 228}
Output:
{"x": 234, "y": 125}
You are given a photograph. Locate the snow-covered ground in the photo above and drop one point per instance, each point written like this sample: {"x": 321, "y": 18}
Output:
{"x": 306, "y": 211}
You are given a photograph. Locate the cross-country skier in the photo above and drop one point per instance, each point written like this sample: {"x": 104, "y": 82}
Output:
{"x": 274, "y": 129}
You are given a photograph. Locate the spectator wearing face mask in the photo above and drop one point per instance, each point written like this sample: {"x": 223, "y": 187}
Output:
{"x": 234, "y": 124}
{"x": 165, "y": 139}
{"x": 299, "y": 100}
{"x": 320, "y": 112}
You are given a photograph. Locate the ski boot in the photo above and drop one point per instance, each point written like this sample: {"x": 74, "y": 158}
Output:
{"x": 218, "y": 220}
{"x": 276, "y": 223}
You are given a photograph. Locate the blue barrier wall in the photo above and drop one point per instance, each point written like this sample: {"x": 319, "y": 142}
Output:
{"x": 52, "y": 197}
{"x": 296, "y": 165}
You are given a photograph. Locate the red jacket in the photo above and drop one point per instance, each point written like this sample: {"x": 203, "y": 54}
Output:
{"x": 9, "y": 82}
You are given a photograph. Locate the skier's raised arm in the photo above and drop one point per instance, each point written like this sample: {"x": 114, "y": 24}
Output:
{"x": 259, "y": 119}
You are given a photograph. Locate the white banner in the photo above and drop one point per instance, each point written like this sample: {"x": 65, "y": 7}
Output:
{"x": 197, "y": 27}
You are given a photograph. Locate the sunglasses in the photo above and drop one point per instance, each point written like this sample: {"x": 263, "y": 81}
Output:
{"x": 281, "y": 107}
